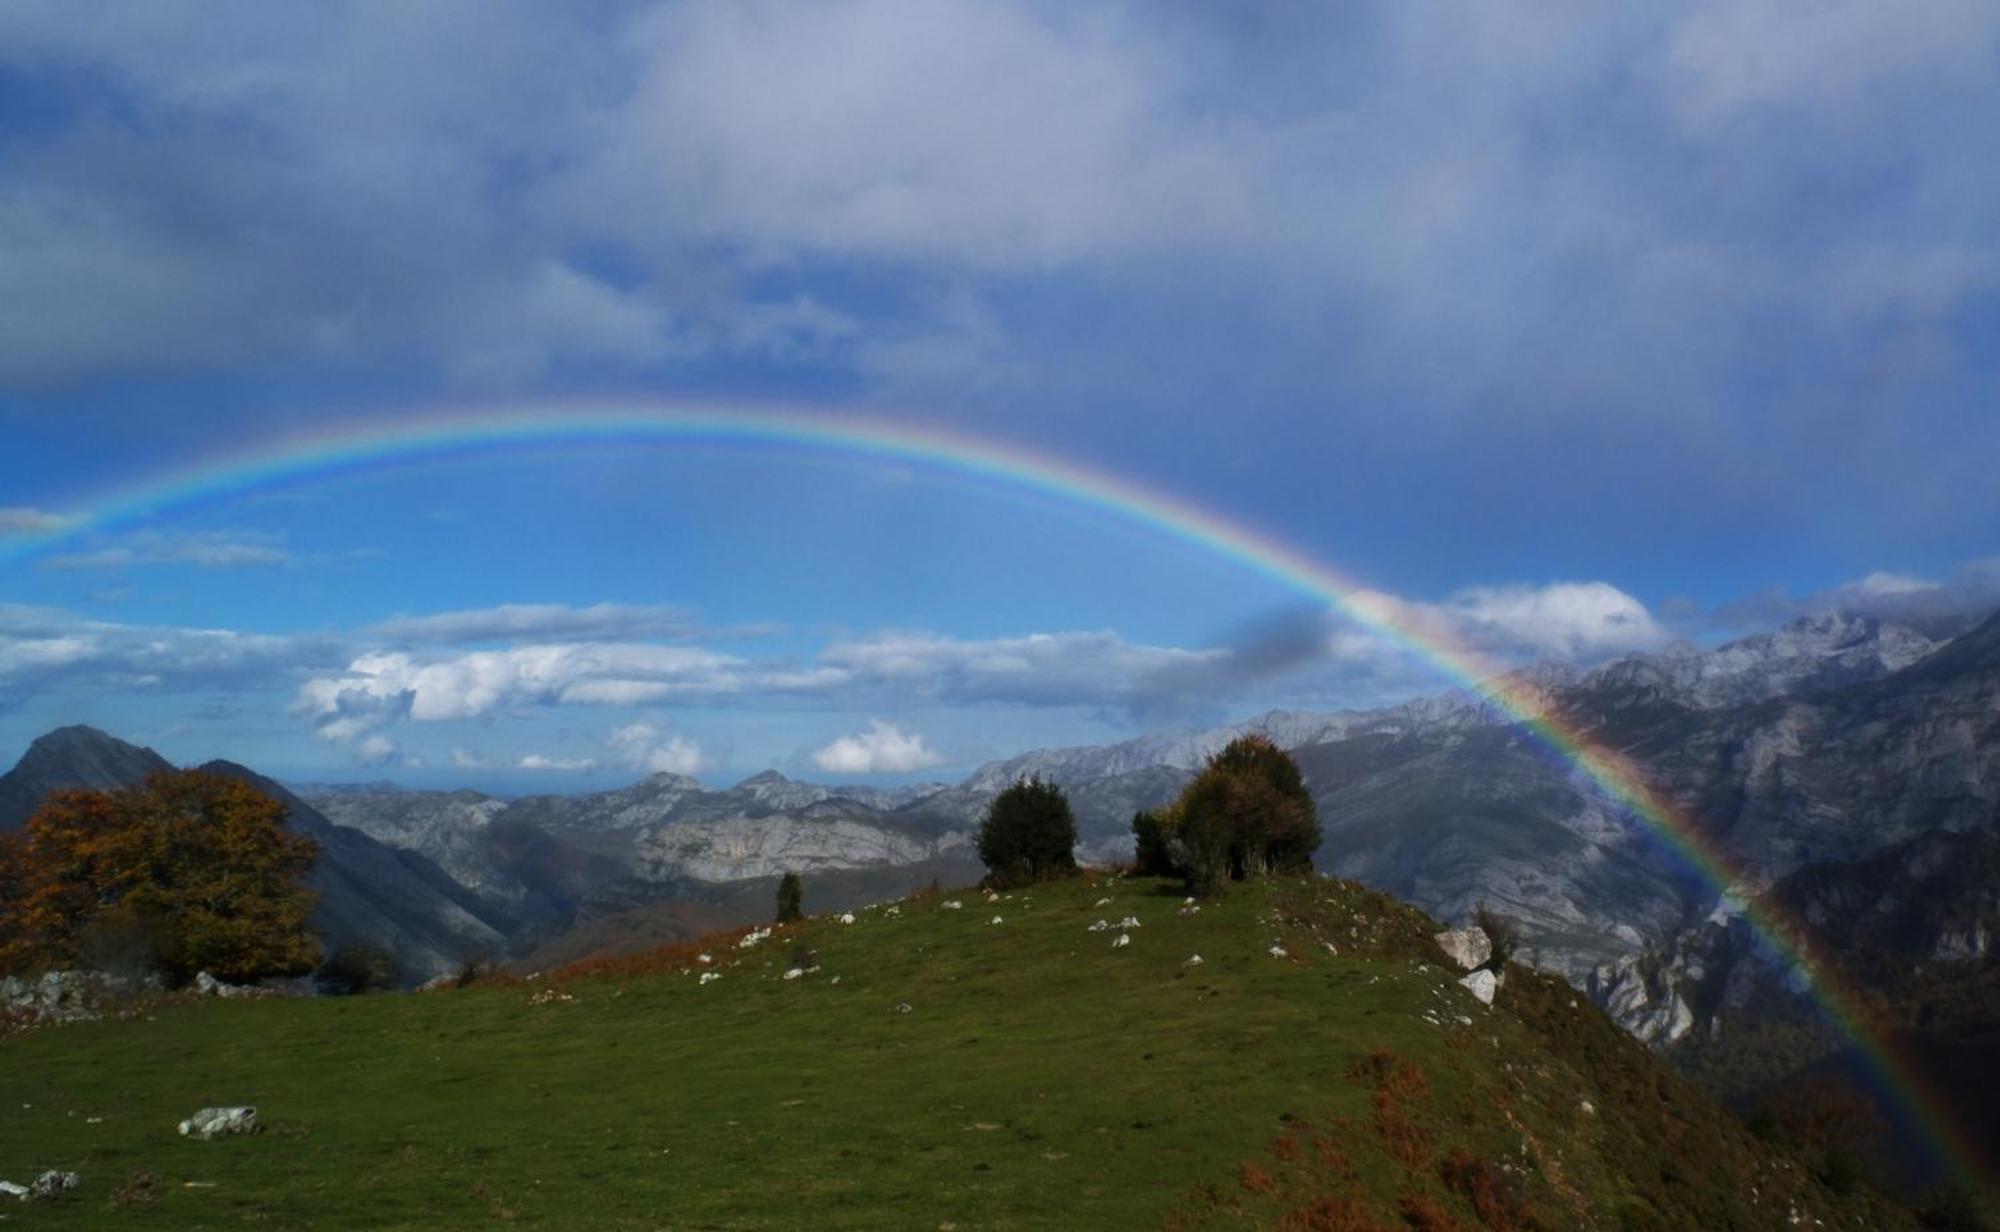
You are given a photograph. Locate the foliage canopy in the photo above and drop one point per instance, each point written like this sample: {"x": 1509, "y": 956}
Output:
{"x": 1247, "y": 814}
{"x": 791, "y": 897}
{"x": 1029, "y": 834}
{"x": 190, "y": 872}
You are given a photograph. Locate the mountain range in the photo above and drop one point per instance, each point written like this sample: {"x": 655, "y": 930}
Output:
{"x": 1820, "y": 750}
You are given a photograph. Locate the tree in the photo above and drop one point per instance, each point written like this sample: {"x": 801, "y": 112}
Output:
{"x": 198, "y": 865}
{"x": 1278, "y": 827}
{"x": 1150, "y": 855}
{"x": 791, "y": 893}
{"x": 1029, "y": 834}
{"x": 1246, "y": 814}
{"x": 358, "y": 968}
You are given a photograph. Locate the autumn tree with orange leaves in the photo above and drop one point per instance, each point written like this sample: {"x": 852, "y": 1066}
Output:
{"x": 194, "y": 871}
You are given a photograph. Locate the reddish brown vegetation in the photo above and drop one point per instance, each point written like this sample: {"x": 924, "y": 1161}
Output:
{"x": 1397, "y": 1082}
{"x": 661, "y": 960}
{"x": 1255, "y": 1178}
{"x": 1331, "y": 1213}
{"x": 1425, "y": 1214}
{"x": 191, "y": 872}
{"x": 1493, "y": 1195}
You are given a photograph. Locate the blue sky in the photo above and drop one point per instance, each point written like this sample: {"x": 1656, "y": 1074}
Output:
{"x": 1576, "y": 330}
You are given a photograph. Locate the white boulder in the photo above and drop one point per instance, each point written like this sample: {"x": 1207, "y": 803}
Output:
{"x": 1482, "y": 985}
{"x": 217, "y": 1122}
{"x": 52, "y": 1184}
{"x": 1470, "y": 948}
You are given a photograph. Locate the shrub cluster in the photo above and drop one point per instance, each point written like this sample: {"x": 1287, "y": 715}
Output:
{"x": 190, "y": 872}
{"x": 1029, "y": 835}
{"x": 791, "y": 896}
{"x": 1247, "y": 814}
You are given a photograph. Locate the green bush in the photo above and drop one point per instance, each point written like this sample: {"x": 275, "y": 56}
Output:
{"x": 1151, "y": 856}
{"x": 791, "y": 894}
{"x": 358, "y": 968}
{"x": 1247, "y": 814}
{"x": 1029, "y": 834}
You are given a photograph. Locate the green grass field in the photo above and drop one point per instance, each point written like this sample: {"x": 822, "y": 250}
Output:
{"x": 1041, "y": 1079}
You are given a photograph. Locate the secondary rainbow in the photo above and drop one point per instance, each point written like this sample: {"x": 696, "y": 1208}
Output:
{"x": 357, "y": 447}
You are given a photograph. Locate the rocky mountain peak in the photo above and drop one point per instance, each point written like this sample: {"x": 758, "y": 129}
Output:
{"x": 75, "y": 756}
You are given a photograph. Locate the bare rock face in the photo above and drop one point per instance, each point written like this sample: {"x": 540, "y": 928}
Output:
{"x": 66, "y": 996}
{"x": 1648, "y": 1003}
{"x": 52, "y": 1184}
{"x": 217, "y": 1122}
{"x": 1470, "y": 948}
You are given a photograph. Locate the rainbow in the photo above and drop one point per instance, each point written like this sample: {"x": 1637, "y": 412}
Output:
{"x": 355, "y": 447}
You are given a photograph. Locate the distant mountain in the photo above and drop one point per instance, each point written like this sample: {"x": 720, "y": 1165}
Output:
{"x": 71, "y": 757}
{"x": 367, "y": 891}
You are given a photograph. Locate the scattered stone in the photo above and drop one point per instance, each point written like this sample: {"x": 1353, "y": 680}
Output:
{"x": 1102, "y": 902}
{"x": 206, "y": 985}
{"x": 9, "y": 1189}
{"x": 1194, "y": 960}
{"x": 1097, "y": 926}
{"x": 550, "y": 996}
{"x": 438, "y": 983}
{"x": 709, "y": 977}
{"x": 1279, "y": 951}
{"x": 1130, "y": 921}
{"x": 1482, "y": 985}
{"x": 704, "y": 959}
{"x": 953, "y": 905}
{"x": 996, "y": 919}
{"x": 1187, "y": 911}
{"x": 1587, "y": 1108}
{"x": 753, "y": 937}
{"x": 65, "y": 996}
{"x": 1124, "y": 939}
{"x": 847, "y": 917}
{"x": 51, "y": 1185}
{"x": 901, "y": 1007}
{"x": 795, "y": 973}
{"x": 1470, "y": 948}
{"x": 217, "y": 1122}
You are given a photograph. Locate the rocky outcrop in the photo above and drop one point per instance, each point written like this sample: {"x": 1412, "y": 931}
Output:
{"x": 57, "y": 997}
{"x": 212, "y": 1123}
{"x": 1470, "y": 948}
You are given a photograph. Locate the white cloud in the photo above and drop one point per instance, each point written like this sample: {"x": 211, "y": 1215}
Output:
{"x": 465, "y": 759}
{"x": 882, "y": 749}
{"x": 208, "y": 549}
{"x": 1041, "y": 668}
{"x": 47, "y": 649}
{"x": 537, "y": 621}
{"x": 376, "y": 751}
{"x": 20, "y": 520}
{"x": 536, "y": 761}
{"x": 1970, "y": 591}
{"x": 397, "y": 685}
{"x": 912, "y": 130}
{"x": 1571, "y": 621}
{"x": 643, "y": 747}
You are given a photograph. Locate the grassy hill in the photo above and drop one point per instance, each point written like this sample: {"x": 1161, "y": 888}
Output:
{"x": 1039, "y": 1078}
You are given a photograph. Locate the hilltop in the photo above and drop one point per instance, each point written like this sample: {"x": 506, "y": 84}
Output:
{"x": 1000, "y": 1063}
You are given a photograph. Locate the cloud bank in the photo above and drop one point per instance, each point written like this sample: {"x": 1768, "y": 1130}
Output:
{"x": 883, "y": 748}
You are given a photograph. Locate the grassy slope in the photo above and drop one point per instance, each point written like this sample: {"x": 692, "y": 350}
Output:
{"x": 1042, "y": 1079}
